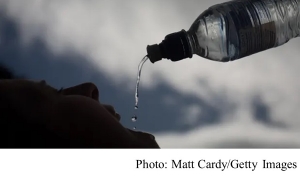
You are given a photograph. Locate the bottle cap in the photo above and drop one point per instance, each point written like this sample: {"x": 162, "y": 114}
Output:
{"x": 175, "y": 47}
{"x": 154, "y": 53}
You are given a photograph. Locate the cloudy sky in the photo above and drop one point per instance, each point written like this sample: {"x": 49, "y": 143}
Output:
{"x": 196, "y": 103}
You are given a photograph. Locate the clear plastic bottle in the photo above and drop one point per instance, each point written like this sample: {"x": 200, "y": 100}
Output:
{"x": 233, "y": 30}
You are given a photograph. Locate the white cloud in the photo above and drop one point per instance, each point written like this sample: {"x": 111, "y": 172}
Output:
{"x": 191, "y": 114}
{"x": 233, "y": 134}
{"x": 113, "y": 35}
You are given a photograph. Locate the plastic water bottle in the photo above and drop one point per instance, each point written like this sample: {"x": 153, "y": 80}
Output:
{"x": 233, "y": 30}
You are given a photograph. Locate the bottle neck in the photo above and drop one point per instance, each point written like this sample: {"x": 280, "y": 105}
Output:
{"x": 193, "y": 42}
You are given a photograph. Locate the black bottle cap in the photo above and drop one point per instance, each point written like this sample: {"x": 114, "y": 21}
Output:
{"x": 154, "y": 53}
{"x": 175, "y": 47}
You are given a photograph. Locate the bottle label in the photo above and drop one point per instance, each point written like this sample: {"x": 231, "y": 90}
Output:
{"x": 254, "y": 25}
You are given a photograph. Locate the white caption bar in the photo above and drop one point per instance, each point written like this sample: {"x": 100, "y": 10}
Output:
{"x": 149, "y": 165}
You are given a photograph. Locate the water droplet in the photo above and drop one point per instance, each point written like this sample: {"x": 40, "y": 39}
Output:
{"x": 134, "y": 128}
{"x": 136, "y": 107}
{"x": 134, "y": 118}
